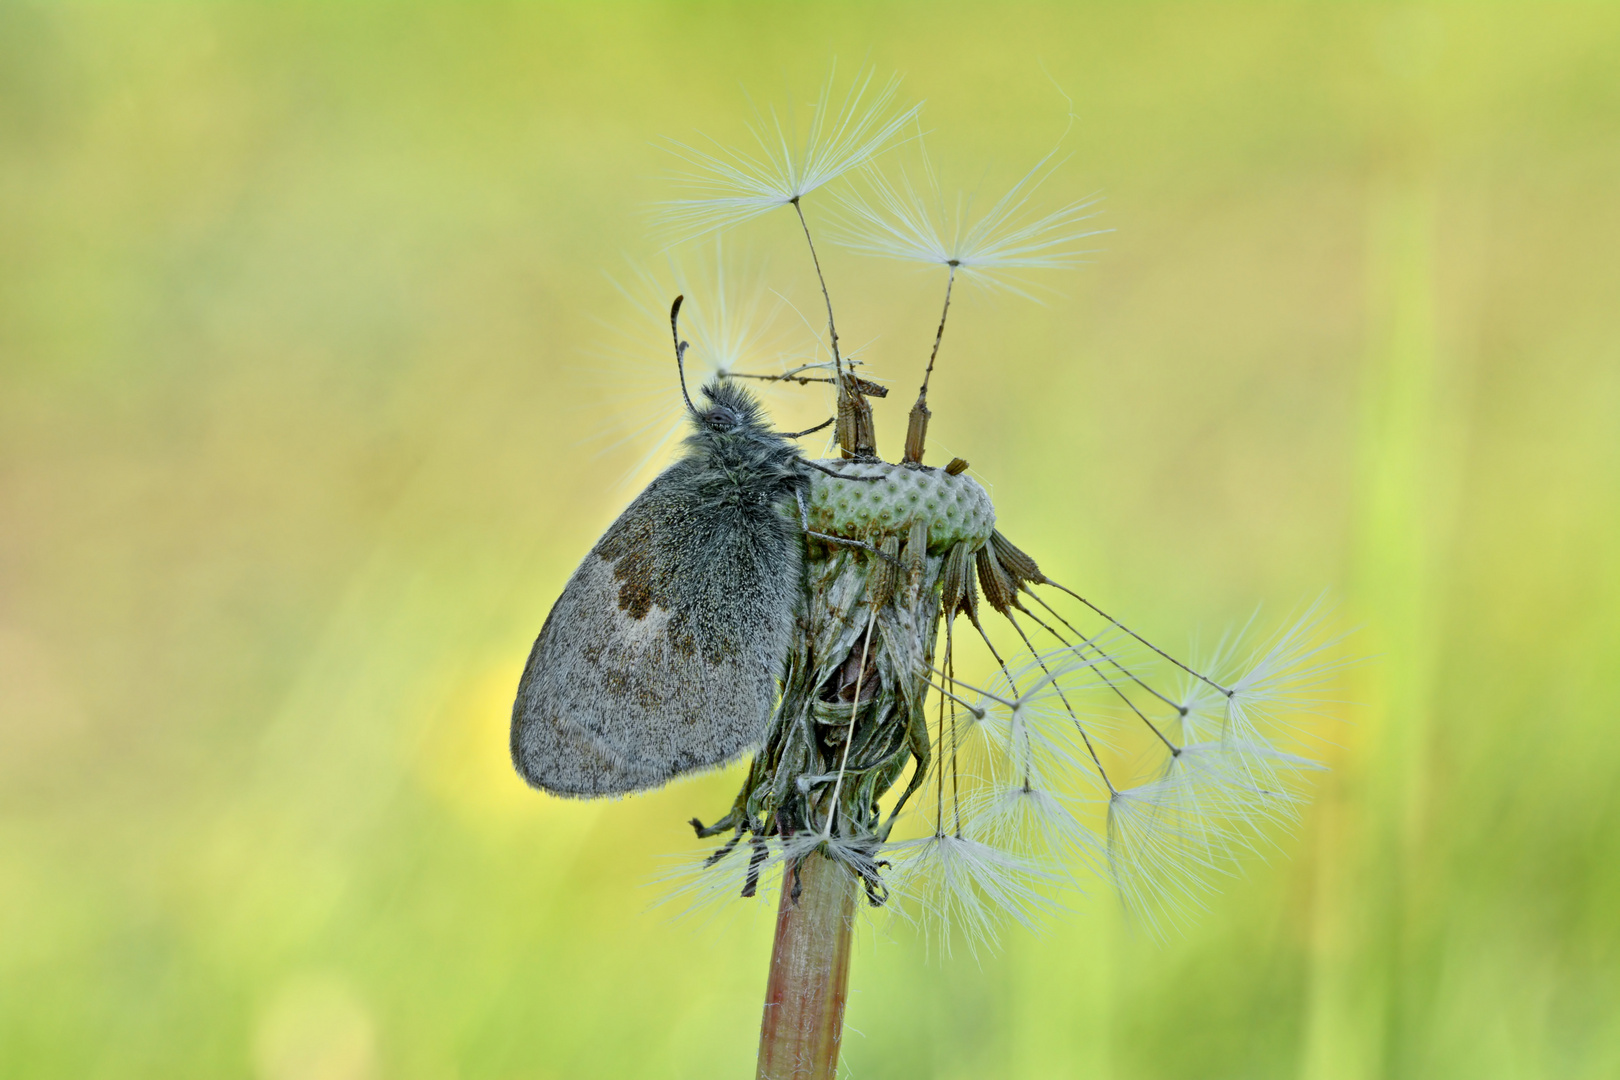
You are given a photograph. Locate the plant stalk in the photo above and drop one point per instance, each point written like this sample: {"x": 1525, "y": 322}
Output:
{"x": 803, "y": 1026}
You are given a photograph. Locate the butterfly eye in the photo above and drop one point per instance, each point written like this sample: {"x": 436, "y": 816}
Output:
{"x": 720, "y": 418}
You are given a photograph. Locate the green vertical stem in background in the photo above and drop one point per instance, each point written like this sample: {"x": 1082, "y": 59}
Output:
{"x": 803, "y": 1025}
{"x": 1372, "y": 827}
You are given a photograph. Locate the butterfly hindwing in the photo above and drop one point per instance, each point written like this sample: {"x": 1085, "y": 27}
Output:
{"x": 662, "y": 655}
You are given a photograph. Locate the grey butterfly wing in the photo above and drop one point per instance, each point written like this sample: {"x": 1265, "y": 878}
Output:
{"x": 662, "y": 655}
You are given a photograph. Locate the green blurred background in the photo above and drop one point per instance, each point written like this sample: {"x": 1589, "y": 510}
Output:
{"x": 298, "y": 306}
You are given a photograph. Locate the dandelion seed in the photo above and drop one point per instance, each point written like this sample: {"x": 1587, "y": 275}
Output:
{"x": 1211, "y": 804}
{"x": 963, "y": 890}
{"x": 1244, "y": 782}
{"x": 1201, "y": 707}
{"x": 1028, "y": 817}
{"x": 1287, "y": 675}
{"x": 784, "y": 166}
{"x": 897, "y": 217}
{"x": 1031, "y": 737}
{"x": 1162, "y": 852}
{"x": 703, "y": 887}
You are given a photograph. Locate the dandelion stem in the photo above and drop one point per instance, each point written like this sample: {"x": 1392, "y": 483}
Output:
{"x": 803, "y": 1025}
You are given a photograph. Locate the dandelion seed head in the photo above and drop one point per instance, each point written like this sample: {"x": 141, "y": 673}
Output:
{"x": 1101, "y": 750}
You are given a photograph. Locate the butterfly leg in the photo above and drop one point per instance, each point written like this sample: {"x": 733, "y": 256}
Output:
{"x": 836, "y": 475}
{"x": 804, "y": 522}
{"x": 706, "y": 831}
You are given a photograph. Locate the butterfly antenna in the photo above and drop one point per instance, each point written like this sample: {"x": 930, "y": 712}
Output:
{"x": 680, "y": 349}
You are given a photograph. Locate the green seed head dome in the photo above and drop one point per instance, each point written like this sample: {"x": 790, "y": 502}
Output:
{"x": 956, "y": 508}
